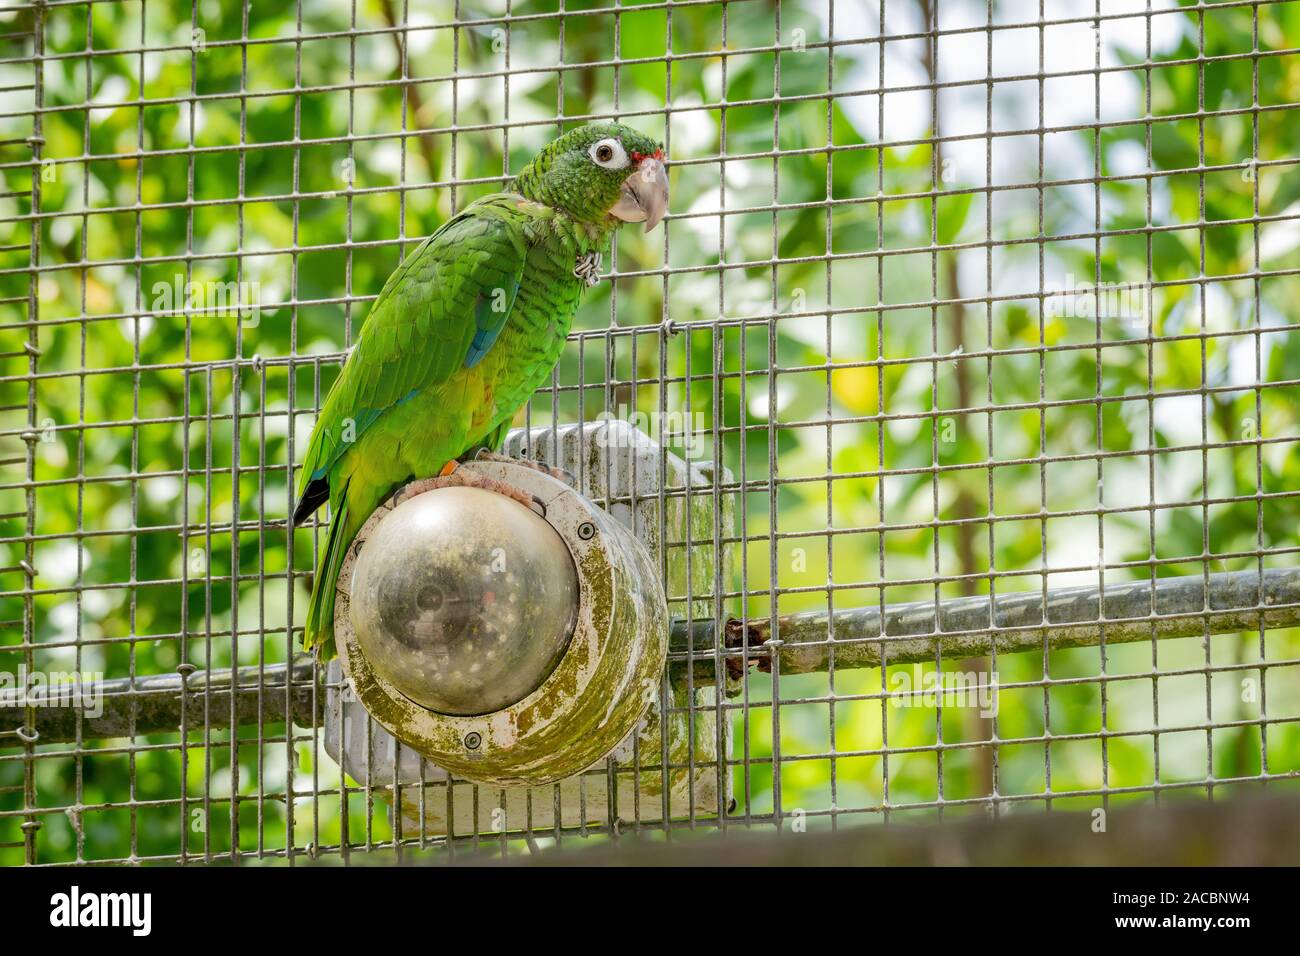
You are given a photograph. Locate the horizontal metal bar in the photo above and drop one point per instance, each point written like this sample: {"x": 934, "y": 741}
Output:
{"x": 929, "y": 248}
{"x": 668, "y": 108}
{"x": 1062, "y": 618}
{"x": 152, "y": 705}
{"x": 966, "y": 627}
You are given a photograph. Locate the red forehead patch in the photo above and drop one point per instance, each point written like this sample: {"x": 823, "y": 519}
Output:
{"x": 657, "y": 154}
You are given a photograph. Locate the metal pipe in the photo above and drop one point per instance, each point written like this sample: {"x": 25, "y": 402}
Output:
{"x": 1010, "y": 623}
{"x": 966, "y": 627}
{"x": 152, "y": 705}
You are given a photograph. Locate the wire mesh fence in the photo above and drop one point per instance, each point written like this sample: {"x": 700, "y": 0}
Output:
{"x": 977, "y": 315}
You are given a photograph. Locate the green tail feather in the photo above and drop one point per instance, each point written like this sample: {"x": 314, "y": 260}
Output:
{"x": 320, "y": 610}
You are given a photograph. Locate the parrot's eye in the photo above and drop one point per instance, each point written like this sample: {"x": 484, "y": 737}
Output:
{"x": 608, "y": 154}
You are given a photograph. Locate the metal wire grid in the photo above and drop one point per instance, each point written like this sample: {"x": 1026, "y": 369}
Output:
{"x": 740, "y": 346}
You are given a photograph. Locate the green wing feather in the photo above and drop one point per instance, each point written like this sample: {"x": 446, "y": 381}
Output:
{"x": 440, "y": 311}
{"x": 421, "y": 327}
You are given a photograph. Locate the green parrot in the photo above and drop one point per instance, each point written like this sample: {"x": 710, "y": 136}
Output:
{"x": 465, "y": 330}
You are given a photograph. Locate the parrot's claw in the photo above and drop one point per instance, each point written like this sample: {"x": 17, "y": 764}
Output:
{"x": 563, "y": 474}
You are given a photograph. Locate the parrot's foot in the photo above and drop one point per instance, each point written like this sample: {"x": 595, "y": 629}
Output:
{"x": 452, "y": 476}
{"x": 588, "y": 268}
{"x": 561, "y": 473}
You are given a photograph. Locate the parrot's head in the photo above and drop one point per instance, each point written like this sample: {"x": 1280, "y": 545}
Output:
{"x": 598, "y": 171}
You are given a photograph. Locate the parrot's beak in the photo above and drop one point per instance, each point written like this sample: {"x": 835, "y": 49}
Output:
{"x": 645, "y": 194}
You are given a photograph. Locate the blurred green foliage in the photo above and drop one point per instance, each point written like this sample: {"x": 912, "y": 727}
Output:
{"x": 806, "y": 335}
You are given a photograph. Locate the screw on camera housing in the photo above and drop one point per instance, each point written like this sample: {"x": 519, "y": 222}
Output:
{"x": 473, "y": 740}
{"x": 586, "y": 531}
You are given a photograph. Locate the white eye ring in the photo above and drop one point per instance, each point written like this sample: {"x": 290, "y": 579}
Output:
{"x": 608, "y": 154}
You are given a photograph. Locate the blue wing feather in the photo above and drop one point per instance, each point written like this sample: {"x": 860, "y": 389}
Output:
{"x": 488, "y": 324}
